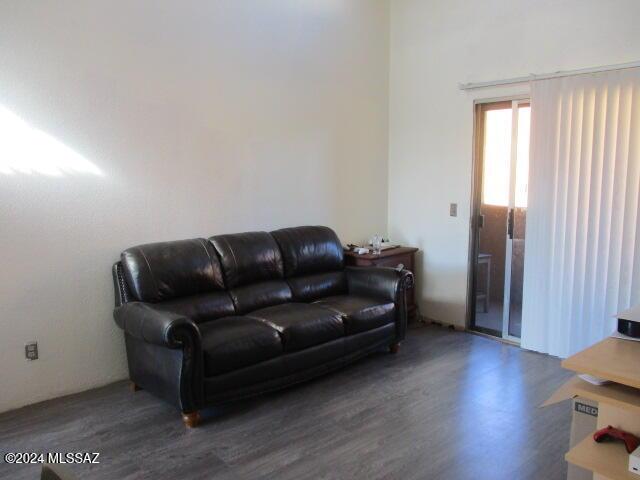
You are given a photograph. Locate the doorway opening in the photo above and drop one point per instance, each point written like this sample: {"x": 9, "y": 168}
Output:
{"x": 499, "y": 214}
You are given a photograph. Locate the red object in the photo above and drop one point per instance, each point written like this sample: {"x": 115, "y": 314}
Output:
{"x": 609, "y": 433}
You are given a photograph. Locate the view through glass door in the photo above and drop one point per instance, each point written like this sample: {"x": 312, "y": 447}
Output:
{"x": 500, "y": 210}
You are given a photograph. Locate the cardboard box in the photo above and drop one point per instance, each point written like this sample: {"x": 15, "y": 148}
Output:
{"x": 583, "y": 423}
{"x": 595, "y": 407}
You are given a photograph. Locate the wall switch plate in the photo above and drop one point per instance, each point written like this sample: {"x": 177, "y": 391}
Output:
{"x": 31, "y": 351}
{"x": 453, "y": 209}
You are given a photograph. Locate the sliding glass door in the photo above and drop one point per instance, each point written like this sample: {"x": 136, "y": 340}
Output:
{"x": 500, "y": 210}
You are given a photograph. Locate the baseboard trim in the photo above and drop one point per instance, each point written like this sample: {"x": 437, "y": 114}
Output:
{"x": 432, "y": 321}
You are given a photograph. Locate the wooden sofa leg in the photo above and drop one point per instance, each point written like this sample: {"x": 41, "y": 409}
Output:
{"x": 191, "y": 419}
{"x": 134, "y": 387}
{"x": 394, "y": 347}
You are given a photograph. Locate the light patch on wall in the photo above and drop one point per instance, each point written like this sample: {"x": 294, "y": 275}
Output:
{"x": 28, "y": 150}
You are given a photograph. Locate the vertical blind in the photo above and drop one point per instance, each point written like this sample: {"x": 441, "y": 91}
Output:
{"x": 582, "y": 262}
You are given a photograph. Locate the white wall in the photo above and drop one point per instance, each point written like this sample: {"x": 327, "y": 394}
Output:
{"x": 434, "y": 46}
{"x": 202, "y": 118}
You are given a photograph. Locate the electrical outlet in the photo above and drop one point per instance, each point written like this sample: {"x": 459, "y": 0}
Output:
{"x": 31, "y": 351}
{"x": 453, "y": 209}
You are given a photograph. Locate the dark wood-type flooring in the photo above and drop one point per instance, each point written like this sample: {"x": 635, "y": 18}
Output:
{"x": 449, "y": 405}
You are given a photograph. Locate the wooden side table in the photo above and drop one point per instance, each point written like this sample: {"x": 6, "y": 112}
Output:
{"x": 392, "y": 257}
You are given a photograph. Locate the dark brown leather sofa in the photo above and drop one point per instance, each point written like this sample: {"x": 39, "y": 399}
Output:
{"x": 212, "y": 321}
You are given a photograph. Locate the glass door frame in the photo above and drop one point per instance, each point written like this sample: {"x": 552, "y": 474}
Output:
{"x": 479, "y": 108}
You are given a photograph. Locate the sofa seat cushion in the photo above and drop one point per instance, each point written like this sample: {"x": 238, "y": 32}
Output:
{"x": 301, "y": 325}
{"x": 231, "y": 343}
{"x": 359, "y": 313}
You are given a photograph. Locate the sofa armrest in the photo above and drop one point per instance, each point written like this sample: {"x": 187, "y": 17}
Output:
{"x": 165, "y": 354}
{"x": 155, "y": 326}
{"x": 381, "y": 282}
{"x": 384, "y": 283}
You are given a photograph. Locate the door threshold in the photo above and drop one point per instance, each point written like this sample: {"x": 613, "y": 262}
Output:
{"x": 508, "y": 341}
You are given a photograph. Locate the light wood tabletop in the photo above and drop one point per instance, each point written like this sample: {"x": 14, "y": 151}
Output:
{"x": 608, "y": 459}
{"x": 614, "y": 359}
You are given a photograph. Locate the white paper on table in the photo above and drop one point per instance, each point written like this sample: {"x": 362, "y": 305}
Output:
{"x": 632, "y": 314}
{"x": 594, "y": 380}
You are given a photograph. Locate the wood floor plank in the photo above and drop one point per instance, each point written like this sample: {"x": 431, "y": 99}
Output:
{"x": 450, "y": 405}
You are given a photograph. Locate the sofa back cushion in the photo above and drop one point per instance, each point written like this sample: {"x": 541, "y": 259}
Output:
{"x": 308, "y": 288}
{"x": 308, "y": 250}
{"x": 202, "y": 307}
{"x": 162, "y": 271}
{"x": 253, "y": 270}
{"x": 248, "y": 298}
{"x": 248, "y": 258}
